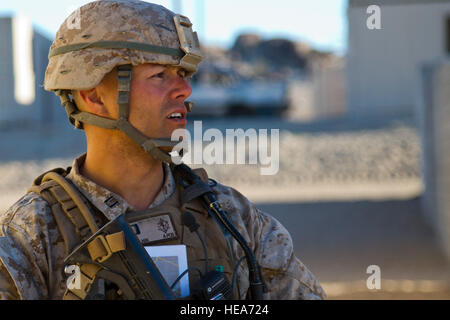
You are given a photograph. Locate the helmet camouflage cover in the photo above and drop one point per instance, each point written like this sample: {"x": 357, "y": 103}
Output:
{"x": 84, "y": 52}
{"x": 118, "y": 33}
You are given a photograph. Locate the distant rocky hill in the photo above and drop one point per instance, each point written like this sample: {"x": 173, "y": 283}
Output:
{"x": 252, "y": 57}
{"x": 275, "y": 54}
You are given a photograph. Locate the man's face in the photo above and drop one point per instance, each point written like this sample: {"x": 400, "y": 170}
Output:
{"x": 157, "y": 96}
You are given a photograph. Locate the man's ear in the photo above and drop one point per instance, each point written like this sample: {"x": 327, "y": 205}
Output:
{"x": 92, "y": 102}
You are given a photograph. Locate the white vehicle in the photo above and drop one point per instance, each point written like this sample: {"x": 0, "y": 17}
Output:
{"x": 220, "y": 91}
{"x": 258, "y": 97}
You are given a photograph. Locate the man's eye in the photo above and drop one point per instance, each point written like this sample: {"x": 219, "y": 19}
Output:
{"x": 158, "y": 75}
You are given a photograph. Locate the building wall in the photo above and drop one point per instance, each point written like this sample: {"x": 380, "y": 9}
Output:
{"x": 45, "y": 109}
{"x": 6, "y": 69}
{"x": 49, "y": 106}
{"x": 329, "y": 89}
{"x": 383, "y": 65}
{"x": 435, "y": 130}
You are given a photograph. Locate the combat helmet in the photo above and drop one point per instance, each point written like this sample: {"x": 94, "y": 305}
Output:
{"x": 106, "y": 34}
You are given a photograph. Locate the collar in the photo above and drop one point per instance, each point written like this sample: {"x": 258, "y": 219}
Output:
{"x": 109, "y": 203}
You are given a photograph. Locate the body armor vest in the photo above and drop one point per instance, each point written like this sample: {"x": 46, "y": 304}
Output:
{"x": 75, "y": 229}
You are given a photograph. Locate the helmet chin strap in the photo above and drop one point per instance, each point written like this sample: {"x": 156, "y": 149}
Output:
{"x": 152, "y": 146}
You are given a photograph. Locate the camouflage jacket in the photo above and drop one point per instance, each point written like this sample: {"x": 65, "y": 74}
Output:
{"x": 32, "y": 248}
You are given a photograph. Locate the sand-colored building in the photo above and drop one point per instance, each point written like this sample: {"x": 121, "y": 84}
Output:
{"x": 383, "y": 65}
{"x": 23, "y": 60}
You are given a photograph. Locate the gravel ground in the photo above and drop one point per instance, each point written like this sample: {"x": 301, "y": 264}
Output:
{"x": 338, "y": 241}
{"x": 375, "y": 156}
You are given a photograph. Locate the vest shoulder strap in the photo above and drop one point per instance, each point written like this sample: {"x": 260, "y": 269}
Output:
{"x": 73, "y": 214}
{"x": 76, "y": 220}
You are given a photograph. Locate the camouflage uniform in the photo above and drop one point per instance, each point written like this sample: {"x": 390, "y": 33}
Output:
{"x": 32, "y": 250}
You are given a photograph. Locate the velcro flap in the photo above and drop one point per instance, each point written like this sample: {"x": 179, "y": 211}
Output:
{"x": 101, "y": 248}
{"x": 97, "y": 248}
{"x": 116, "y": 241}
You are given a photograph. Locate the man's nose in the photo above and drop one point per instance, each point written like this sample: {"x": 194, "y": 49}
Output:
{"x": 182, "y": 89}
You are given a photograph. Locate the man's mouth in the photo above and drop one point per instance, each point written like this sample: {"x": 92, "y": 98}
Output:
{"x": 176, "y": 115}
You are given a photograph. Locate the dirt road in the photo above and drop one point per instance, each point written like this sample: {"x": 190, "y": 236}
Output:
{"x": 339, "y": 240}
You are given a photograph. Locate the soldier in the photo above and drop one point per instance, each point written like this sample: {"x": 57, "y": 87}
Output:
{"x": 121, "y": 72}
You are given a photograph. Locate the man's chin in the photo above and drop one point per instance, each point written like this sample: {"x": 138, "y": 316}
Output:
{"x": 166, "y": 149}
{"x": 177, "y": 134}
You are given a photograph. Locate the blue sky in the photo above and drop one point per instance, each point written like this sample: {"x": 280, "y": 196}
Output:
{"x": 320, "y": 23}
